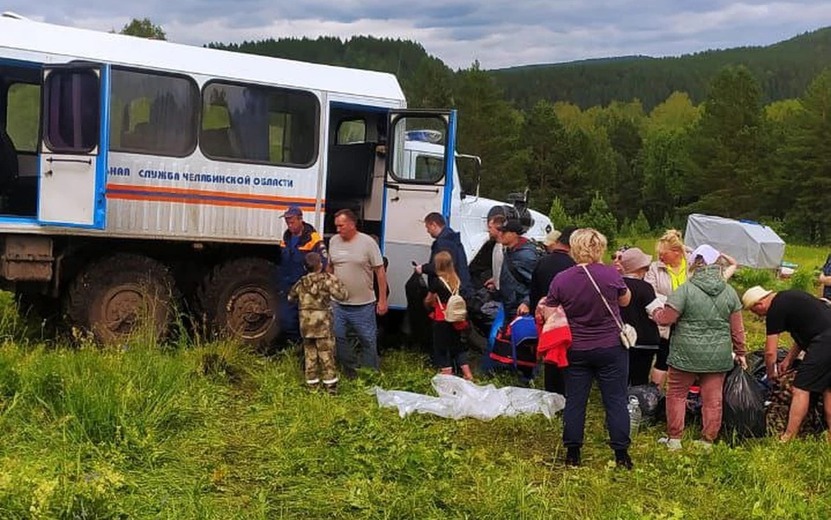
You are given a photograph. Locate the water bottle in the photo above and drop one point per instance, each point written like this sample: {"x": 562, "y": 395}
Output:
{"x": 634, "y": 415}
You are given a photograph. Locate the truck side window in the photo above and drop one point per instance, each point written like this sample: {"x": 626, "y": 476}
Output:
{"x": 71, "y": 118}
{"x": 351, "y": 131}
{"x": 153, "y": 113}
{"x": 252, "y": 123}
{"x": 22, "y": 116}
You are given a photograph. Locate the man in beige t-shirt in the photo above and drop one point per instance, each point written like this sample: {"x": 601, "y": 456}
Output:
{"x": 354, "y": 257}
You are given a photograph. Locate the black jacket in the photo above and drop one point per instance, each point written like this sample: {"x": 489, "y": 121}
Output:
{"x": 450, "y": 241}
{"x": 547, "y": 268}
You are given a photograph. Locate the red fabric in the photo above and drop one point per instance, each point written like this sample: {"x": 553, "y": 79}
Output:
{"x": 509, "y": 361}
{"x": 461, "y": 325}
{"x": 438, "y": 315}
{"x": 553, "y": 346}
{"x": 438, "y": 312}
{"x": 554, "y": 334}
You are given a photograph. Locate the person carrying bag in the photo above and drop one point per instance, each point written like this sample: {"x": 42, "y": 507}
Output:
{"x": 448, "y": 350}
{"x": 628, "y": 334}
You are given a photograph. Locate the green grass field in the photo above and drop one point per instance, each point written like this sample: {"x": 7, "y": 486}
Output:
{"x": 210, "y": 431}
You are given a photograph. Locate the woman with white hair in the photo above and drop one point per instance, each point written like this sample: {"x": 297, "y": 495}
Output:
{"x": 665, "y": 275}
{"x": 709, "y": 330}
{"x": 591, "y": 295}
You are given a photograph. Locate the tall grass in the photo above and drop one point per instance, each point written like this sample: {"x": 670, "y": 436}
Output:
{"x": 215, "y": 432}
{"x": 192, "y": 430}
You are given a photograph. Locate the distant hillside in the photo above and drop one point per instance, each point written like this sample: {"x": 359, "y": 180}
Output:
{"x": 406, "y": 59}
{"x": 784, "y": 70}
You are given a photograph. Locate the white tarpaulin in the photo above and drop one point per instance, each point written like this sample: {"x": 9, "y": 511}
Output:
{"x": 750, "y": 243}
{"x": 459, "y": 399}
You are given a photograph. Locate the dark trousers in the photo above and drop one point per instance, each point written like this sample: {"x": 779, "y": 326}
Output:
{"x": 640, "y": 364}
{"x": 662, "y": 355}
{"x": 610, "y": 366}
{"x": 448, "y": 349}
{"x": 555, "y": 380}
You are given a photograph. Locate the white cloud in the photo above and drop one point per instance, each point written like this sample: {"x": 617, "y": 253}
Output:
{"x": 499, "y": 33}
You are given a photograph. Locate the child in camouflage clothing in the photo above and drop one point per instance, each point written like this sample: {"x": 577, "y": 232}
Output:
{"x": 314, "y": 293}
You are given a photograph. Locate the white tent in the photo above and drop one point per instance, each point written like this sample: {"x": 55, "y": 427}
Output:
{"x": 752, "y": 244}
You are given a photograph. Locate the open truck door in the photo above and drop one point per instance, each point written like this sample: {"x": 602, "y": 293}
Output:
{"x": 418, "y": 181}
{"x": 73, "y": 150}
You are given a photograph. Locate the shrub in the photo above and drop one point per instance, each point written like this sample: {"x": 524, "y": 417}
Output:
{"x": 804, "y": 280}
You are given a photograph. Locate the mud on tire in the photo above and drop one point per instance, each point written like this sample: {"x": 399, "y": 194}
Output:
{"x": 238, "y": 299}
{"x": 113, "y": 296}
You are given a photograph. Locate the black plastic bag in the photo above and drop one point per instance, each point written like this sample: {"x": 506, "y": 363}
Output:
{"x": 420, "y": 324}
{"x": 651, "y": 401}
{"x": 743, "y": 412}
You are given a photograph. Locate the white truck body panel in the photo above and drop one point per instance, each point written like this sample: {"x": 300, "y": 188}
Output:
{"x": 194, "y": 198}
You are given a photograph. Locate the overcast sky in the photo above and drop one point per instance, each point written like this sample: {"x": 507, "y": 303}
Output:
{"x": 499, "y": 33}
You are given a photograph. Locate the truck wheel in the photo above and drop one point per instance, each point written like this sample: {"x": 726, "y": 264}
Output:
{"x": 239, "y": 300}
{"x": 115, "y": 296}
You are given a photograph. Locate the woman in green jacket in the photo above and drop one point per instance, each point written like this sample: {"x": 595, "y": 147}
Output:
{"x": 709, "y": 330}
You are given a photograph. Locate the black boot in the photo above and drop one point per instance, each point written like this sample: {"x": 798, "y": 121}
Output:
{"x": 573, "y": 457}
{"x": 622, "y": 459}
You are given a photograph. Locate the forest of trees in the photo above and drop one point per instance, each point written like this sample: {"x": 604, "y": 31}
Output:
{"x": 742, "y": 133}
{"x": 784, "y": 70}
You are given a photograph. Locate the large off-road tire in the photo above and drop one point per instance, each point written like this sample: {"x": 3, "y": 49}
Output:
{"x": 118, "y": 295}
{"x": 239, "y": 300}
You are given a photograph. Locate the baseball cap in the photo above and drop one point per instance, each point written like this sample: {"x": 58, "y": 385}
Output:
{"x": 551, "y": 238}
{"x": 293, "y": 211}
{"x": 512, "y": 226}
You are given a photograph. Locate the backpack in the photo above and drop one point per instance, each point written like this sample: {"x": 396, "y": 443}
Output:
{"x": 539, "y": 248}
{"x": 455, "y": 310}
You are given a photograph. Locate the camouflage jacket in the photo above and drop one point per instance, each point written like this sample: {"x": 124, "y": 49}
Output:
{"x": 313, "y": 294}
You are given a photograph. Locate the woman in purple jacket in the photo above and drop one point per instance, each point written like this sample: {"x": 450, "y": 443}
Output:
{"x": 591, "y": 295}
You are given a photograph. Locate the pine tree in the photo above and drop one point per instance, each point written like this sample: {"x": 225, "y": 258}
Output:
{"x": 557, "y": 214}
{"x": 600, "y": 217}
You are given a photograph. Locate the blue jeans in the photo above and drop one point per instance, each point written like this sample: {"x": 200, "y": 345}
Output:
{"x": 361, "y": 319}
{"x": 610, "y": 366}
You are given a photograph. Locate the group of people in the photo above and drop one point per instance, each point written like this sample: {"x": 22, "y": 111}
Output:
{"x": 689, "y": 327}
{"x": 687, "y": 317}
{"x": 330, "y": 291}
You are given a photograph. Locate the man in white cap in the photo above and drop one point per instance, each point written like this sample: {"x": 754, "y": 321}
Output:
{"x": 551, "y": 240}
{"x": 808, "y": 320}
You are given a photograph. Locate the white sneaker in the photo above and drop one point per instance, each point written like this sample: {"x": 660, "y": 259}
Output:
{"x": 671, "y": 444}
{"x": 704, "y": 445}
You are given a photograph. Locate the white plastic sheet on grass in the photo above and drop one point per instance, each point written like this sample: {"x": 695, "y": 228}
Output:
{"x": 458, "y": 399}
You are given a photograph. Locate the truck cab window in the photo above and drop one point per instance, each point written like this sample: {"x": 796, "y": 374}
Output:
{"x": 429, "y": 168}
